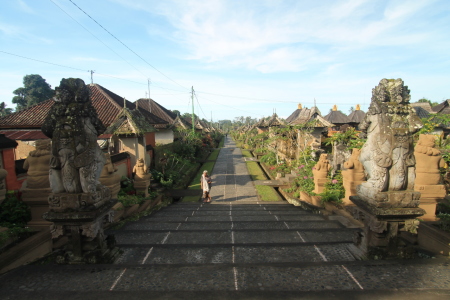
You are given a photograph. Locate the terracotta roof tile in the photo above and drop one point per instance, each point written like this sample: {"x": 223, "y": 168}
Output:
{"x": 157, "y": 109}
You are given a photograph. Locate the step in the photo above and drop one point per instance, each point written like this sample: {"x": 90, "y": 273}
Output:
{"x": 209, "y": 237}
{"x": 200, "y": 213}
{"x": 268, "y": 218}
{"x": 314, "y": 276}
{"x": 242, "y": 254}
{"x": 304, "y": 224}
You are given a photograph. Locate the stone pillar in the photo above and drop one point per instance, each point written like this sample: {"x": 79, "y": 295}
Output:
{"x": 387, "y": 202}
{"x": 352, "y": 175}
{"x": 141, "y": 177}
{"x": 428, "y": 178}
{"x": 109, "y": 178}
{"x": 37, "y": 189}
{"x": 78, "y": 205}
{"x": 320, "y": 172}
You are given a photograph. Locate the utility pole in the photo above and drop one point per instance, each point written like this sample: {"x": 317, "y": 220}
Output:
{"x": 148, "y": 86}
{"x": 193, "y": 119}
{"x": 92, "y": 76}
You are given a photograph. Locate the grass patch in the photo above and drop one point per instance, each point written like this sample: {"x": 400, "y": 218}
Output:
{"x": 267, "y": 193}
{"x": 222, "y": 142}
{"x": 246, "y": 153}
{"x": 195, "y": 184}
{"x": 255, "y": 171}
{"x": 214, "y": 155}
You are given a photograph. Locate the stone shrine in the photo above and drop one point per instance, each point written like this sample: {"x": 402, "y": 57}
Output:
{"x": 37, "y": 189}
{"x": 320, "y": 172}
{"x": 428, "y": 178}
{"x": 79, "y": 204}
{"x": 352, "y": 175}
{"x": 141, "y": 177}
{"x": 387, "y": 202}
{"x": 109, "y": 177}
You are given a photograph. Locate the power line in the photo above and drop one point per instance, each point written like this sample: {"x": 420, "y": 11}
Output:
{"x": 252, "y": 113}
{"x": 97, "y": 38}
{"x": 127, "y": 46}
{"x": 45, "y": 62}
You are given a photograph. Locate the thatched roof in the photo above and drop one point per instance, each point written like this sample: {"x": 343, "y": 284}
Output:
{"x": 275, "y": 121}
{"x": 295, "y": 114}
{"x": 443, "y": 108}
{"x": 261, "y": 123}
{"x": 306, "y": 115}
{"x": 421, "y": 112}
{"x": 357, "y": 115}
{"x": 130, "y": 122}
{"x": 337, "y": 117}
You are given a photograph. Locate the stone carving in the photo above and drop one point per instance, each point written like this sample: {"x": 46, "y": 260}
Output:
{"x": 387, "y": 156}
{"x": 109, "y": 177}
{"x": 387, "y": 201}
{"x": 37, "y": 165}
{"x": 320, "y": 173}
{"x": 428, "y": 161}
{"x": 141, "y": 177}
{"x": 428, "y": 178}
{"x": 73, "y": 126}
{"x": 79, "y": 203}
{"x": 352, "y": 175}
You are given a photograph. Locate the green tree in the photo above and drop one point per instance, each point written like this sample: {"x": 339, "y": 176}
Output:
{"x": 428, "y": 100}
{"x": 176, "y": 112}
{"x": 35, "y": 90}
{"x": 4, "y": 111}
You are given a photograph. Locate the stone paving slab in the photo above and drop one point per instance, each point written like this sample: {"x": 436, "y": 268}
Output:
{"x": 205, "y": 278}
{"x": 190, "y": 255}
{"x": 140, "y": 237}
{"x": 328, "y": 236}
{"x": 303, "y": 279}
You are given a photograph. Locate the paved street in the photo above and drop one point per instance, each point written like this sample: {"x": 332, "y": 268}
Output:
{"x": 235, "y": 247}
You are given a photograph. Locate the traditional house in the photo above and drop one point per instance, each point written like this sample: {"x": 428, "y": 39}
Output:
{"x": 313, "y": 117}
{"x": 25, "y": 126}
{"x": 8, "y": 178}
{"x": 356, "y": 116}
{"x": 261, "y": 126}
{"x": 163, "y": 135}
{"x": 443, "y": 108}
{"x": 340, "y": 120}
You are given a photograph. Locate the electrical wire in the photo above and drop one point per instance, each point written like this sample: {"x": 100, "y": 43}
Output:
{"x": 98, "y": 39}
{"x": 126, "y": 45}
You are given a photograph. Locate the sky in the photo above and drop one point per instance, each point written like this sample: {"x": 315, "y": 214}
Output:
{"x": 242, "y": 57}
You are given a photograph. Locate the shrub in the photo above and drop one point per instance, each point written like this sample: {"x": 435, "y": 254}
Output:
{"x": 14, "y": 212}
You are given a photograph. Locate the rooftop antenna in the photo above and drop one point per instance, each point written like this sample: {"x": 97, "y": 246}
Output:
{"x": 92, "y": 76}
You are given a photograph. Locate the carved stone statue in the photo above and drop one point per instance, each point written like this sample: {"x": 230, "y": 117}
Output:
{"x": 320, "y": 172}
{"x": 79, "y": 203}
{"x": 352, "y": 175}
{"x": 141, "y": 177}
{"x": 387, "y": 155}
{"x": 37, "y": 189}
{"x": 37, "y": 165}
{"x": 73, "y": 126}
{"x": 428, "y": 178}
{"x": 386, "y": 202}
{"x": 109, "y": 177}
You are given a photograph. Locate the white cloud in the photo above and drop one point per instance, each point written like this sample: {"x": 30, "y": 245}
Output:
{"x": 274, "y": 36}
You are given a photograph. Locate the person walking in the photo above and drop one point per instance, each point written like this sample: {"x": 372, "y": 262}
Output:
{"x": 205, "y": 184}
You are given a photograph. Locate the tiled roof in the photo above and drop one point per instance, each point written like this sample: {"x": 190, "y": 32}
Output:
{"x": 421, "y": 112}
{"x": 24, "y": 134}
{"x": 32, "y": 117}
{"x": 424, "y": 105}
{"x": 107, "y": 104}
{"x": 157, "y": 109}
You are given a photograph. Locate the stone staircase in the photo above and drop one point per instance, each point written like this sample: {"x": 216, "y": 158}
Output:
{"x": 221, "y": 251}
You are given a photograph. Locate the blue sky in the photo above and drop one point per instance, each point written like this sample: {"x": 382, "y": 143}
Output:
{"x": 244, "y": 57}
